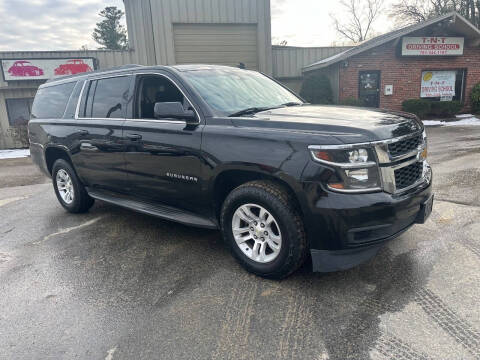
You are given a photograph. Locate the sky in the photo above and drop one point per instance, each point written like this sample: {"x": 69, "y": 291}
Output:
{"x": 68, "y": 24}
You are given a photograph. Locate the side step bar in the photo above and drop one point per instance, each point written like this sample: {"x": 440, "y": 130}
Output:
{"x": 161, "y": 211}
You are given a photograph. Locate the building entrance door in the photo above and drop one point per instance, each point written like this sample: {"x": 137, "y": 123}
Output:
{"x": 369, "y": 88}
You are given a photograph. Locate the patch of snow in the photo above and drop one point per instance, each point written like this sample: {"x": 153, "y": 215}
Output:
{"x": 465, "y": 119}
{"x": 468, "y": 121}
{"x": 433, "y": 122}
{"x": 14, "y": 153}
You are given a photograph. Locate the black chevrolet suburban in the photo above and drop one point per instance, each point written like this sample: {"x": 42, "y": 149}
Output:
{"x": 231, "y": 149}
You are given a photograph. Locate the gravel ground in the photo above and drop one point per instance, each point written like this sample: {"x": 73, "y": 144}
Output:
{"x": 113, "y": 284}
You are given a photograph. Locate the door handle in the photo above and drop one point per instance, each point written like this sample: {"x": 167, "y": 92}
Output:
{"x": 88, "y": 147}
{"x": 82, "y": 132}
{"x": 134, "y": 136}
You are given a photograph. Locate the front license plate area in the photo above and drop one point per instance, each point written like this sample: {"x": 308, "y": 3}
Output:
{"x": 425, "y": 210}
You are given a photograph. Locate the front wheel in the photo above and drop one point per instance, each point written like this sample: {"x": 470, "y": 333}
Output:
{"x": 263, "y": 229}
{"x": 69, "y": 190}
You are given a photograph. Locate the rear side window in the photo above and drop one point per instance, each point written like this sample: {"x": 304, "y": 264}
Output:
{"x": 72, "y": 103}
{"x": 50, "y": 102}
{"x": 106, "y": 98}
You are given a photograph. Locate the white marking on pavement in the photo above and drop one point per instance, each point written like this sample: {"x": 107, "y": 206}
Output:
{"x": 110, "y": 353}
{"x": 67, "y": 230}
{"x": 10, "y": 200}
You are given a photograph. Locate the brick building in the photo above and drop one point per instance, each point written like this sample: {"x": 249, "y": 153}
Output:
{"x": 437, "y": 60}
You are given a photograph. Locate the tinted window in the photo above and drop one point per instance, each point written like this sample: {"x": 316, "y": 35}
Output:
{"x": 154, "y": 89}
{"x": 110, "y": 97}
{"x": 50, "y": 102}
{"x": 72, "y": 103}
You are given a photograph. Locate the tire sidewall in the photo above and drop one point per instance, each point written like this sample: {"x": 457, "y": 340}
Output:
{"x": 77, "y": 187}
{"x": 272, "y": 205}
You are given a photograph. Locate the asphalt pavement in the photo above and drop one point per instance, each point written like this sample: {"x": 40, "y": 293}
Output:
{"x": 114, "y": 284}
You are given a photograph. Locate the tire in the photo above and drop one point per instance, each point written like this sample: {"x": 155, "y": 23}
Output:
{"x": 286, "y": 223}
{"x": 80, "y": 201}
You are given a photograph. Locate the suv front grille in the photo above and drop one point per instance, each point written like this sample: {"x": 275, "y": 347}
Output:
{"x": 408, "y": 175}
{"x": 405, "y": 146}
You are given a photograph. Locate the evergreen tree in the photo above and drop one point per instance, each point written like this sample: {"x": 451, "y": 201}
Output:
{"x": 109, "y": 32}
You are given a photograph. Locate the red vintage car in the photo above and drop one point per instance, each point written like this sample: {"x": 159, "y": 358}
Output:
{"x": 72, "y": 67}
{"x": 24, "y": 68}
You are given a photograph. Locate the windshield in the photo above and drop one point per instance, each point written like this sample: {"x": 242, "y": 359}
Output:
{"x": 231, "y": 91}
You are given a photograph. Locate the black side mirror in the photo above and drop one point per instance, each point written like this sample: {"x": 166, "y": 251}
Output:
{"x": 172, "y": 110}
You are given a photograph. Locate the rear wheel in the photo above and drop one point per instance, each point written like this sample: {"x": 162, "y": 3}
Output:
{"x": 264, "y": 229}
{"x": 69, "y": 190}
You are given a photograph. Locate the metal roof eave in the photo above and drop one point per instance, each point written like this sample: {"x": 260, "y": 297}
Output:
{"x": 383, "y": 39}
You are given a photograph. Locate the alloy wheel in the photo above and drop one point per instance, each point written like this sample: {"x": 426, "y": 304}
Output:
{"x": 256, "y": 233}
{"x": 65, "y": 186}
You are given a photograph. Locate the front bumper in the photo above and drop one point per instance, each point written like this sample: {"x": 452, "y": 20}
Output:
{"x": 345, "y": 230}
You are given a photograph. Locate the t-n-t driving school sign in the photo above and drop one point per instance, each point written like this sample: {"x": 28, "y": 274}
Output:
{"x": 432, "y": 46}
{"x": 438, "y": 84}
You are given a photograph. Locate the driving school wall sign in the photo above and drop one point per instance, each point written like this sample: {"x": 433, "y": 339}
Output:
{"x": 438, "y": 84}
{"x": 432, "y": 46}
{"x": 44, "y": 69}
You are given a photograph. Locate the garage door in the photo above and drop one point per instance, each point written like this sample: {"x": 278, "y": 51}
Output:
{"x": 224, "y": 44}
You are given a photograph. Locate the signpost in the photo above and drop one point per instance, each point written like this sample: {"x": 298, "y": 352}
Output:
{"x": 44, "y": 69}
{"x": 439, "y": 84}
{"x": 432, "y": 46}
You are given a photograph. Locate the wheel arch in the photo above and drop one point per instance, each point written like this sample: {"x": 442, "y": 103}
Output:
{"x": 53, "y": 153}
{"x": 230, "y": 178}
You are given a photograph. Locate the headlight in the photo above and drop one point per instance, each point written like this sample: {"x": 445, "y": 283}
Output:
{"x": 356, "y": 169}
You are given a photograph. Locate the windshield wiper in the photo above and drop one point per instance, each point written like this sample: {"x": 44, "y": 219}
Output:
{"x": 252, "y": 110}
{"x": 292, "y": 103}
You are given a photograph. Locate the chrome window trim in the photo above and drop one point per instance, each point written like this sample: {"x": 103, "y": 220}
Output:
{"x": 101, "y": 77}
{"x": 77, "y": 111}
{"x": 83, "y": 89}
{"x": 80, "y": 99}
{"x": 159, "y": 121}
{"x": 68, "y": 101}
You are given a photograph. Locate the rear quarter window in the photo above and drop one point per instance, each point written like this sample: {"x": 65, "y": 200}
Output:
{"x": 110, "y": 97}
{"x": 50, "y": 102}
{"x": 105, "y": 98}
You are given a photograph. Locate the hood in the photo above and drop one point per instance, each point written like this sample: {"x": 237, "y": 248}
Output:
{"x": 347, "y": 124}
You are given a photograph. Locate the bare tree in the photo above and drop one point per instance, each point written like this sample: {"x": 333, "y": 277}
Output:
{"x": 411, "y": 11}
{"x": 415, "y": 11}
{"x": 361, "y": 14}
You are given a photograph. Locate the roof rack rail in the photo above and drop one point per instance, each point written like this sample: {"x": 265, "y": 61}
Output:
{"x": 116, "y": 68}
